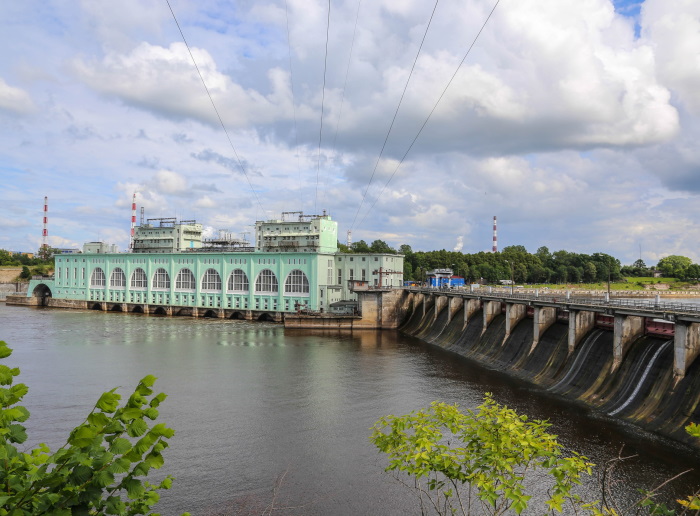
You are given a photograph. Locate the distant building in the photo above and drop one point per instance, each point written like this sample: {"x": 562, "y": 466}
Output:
{"x": 443, "y": 278}
{"x": 294, "y": 265}
{"x": 97, "y": 248}
{"x": 167, "y": 235}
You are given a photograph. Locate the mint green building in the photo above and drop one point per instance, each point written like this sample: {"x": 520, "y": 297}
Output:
{"x": 295, "y": 265}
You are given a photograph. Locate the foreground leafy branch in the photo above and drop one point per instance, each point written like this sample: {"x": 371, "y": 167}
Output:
{"x": 487, "y": 461}
{"x": 101, "y": 468}
{"x": 478, "y": 461}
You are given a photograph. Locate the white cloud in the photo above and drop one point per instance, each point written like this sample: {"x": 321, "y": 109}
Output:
{"x": 674, "y": 29}
{"x": 15, "y": 100}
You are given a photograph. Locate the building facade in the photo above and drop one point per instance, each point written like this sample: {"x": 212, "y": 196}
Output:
{"x": 295, "y": 265}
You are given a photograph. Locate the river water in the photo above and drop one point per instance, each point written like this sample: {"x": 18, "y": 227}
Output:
{"x": 256, "y": 406}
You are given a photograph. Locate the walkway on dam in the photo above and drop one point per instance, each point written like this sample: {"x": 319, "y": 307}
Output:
{"x": 651, "y": 308}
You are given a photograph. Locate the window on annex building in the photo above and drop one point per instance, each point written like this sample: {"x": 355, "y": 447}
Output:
{"x": 97, "y": 279}
{"x": 161, "y": 279}
{"x": 139, "y": 281}
{"x": 238, "y": 281}
{"x": 185, "y": 280}
{"x": 117, "y": 279}
{"x": 266, "y": 282}
{"x": 296, "y": 283}
{"x": 211, "y": 280}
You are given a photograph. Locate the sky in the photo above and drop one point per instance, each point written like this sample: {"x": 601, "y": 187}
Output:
{"x": 575, "y": 122}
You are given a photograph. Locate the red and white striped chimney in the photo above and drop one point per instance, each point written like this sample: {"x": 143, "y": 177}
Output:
{"x": 133, "y": 222}
{"x": 45, "y": 235}
{"x": 495, "y": 237}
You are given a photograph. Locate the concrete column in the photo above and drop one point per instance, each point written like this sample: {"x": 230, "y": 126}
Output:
{"x": 491, "y": 310}
{"x": 470, "y": 308}
{"x": 440, "y": 303}
{"x": 221, "y": 314}
{"x": 195, "y": 312}
{"x": 515, "y": 312}
{"x": 628, "y": 328}
{"x": 686, "y": 347}
{"x": 545, "y": 316}
{"x": 124, "y": 307}
{"x": 580, "y": 323}
{"x": 456, "y": 304}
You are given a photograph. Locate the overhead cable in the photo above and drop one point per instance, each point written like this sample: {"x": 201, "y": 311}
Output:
{"x": 323, "y": 99}
{"x": 345, "y": 84}
{"x": 238, "y": 160}
{"x": 294, "y": 106}
{"x": 431, "y": 111}
{"x": 395, "y": 113}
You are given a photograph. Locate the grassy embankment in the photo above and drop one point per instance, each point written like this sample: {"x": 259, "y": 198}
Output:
{"x": 631, "y": 283}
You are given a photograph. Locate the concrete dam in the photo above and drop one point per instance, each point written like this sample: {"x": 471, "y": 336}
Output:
{"x": 626, "y": 362}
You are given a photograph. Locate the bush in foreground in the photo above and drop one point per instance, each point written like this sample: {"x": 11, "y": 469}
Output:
{"x": 101, "y": 468}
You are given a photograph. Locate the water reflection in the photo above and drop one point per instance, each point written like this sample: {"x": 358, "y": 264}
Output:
{"x": 251, "y": 402}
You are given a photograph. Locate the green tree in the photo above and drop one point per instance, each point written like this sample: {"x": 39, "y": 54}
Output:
{"x": 380, "y": 246}
{"x": 589, "y": 272}
{"x": 101, "y": 467}
{"x": 480, "y": 460}
{"x": 674, "y": 265}
{"x": 360, "y": 247}
{"x": 405, "y": 250}
{"x": 25, "y": 274}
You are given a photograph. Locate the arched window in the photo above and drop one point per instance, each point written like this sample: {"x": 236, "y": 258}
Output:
{"x": 238, "y": 281}
{"x": 139, "y": 281}
{"x": 161, "y": 280}
{"x": 117, "y": 279}
{"x": 266, "y": 282}
{"x": 211, "y": 280}
{"x": 185, "y": 280}
{"x": 296, "y": 283}
{"x": 98, "y": 278}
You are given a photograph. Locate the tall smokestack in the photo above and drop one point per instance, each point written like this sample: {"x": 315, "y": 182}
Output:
{"x": 495, "y": 236}
{"x": 133, "y": 222}
{"x": 349, "y": 244}
{"x": 45, "y": 235}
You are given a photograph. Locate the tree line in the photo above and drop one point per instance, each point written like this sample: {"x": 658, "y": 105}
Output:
{"x": 517, "y": 264}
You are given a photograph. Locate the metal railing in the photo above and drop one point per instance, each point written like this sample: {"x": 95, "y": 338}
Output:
{"x": 652, "y": 305}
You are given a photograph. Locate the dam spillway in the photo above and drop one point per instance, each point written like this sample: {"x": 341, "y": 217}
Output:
{"x": 619, "y": 361}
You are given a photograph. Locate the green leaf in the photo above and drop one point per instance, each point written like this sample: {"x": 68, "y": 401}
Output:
{"x": 134, "y": 488}
{"x": 82, "y": 436}
{"x": 109, "y": 401}
{"x": 137, "y": 428}
{"x": 5, "y": 350}
{"x": 18, "y": 434}
{"x": 120, "y": 446}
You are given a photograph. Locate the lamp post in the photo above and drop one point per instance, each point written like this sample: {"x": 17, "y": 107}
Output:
{"x": 512, "y": 277}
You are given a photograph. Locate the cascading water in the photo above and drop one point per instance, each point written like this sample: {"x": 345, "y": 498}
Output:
{"x": 642, "y": 379}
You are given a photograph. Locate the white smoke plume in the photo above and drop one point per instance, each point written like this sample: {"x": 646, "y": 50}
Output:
{"x": 460, "y": 244}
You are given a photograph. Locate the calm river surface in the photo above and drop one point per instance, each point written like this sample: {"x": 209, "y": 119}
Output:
{"x": 251, "y": 402}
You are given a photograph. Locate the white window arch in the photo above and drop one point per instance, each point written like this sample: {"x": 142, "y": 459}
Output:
{"x": 296, "y": 283}
{"x": 97, "y": 279}
{"x": 185, "y": 280}
{"x": 161, "y": 279}
{"x": 238, "y": 281}
{"x": 139, "y": 280}
{"x": 117, "y": 279}
{"x": 266, "y": 282}
{"x": 211, "y": 280}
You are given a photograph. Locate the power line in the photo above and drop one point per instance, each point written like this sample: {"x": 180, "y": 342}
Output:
{"x": 294, "y": 106}
{"x": 431, "y": 111}
{"x": 240, "y": 164}
{"x": 323, "y": 99}
{"x": 345, "y": 84}
{"x": 395, "y": 113}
